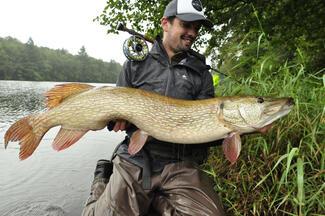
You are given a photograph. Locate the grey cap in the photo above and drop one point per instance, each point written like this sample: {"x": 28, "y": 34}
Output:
{"x": 187, "y": 10}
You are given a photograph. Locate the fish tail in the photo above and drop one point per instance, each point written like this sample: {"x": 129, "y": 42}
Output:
{"x": 23, "y": 131}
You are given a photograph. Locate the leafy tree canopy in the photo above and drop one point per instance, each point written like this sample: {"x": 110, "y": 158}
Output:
{"x": 285, "y": 24}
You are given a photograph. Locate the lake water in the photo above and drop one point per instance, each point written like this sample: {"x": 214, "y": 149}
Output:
{"x": 49, "y": 182}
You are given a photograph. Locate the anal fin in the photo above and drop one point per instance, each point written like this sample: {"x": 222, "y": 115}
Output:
{"x": 67, "y": 137}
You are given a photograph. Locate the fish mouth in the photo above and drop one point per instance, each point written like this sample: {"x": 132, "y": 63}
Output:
{"x": 273, "y": 112}
{"x": 284, "y": 111}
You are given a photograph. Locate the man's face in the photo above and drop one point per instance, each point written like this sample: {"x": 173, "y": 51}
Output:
{"x": 179, "y": 35}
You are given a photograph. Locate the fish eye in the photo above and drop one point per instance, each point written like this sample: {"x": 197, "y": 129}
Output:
{"x": 260, "y": 100}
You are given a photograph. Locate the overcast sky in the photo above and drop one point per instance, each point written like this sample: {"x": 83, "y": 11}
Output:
{"x": 61, "y": 24}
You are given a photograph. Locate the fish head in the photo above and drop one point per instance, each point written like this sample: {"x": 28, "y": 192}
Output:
{"x": 248, "y": 114}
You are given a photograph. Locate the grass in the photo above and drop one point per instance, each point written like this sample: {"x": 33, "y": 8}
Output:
{"x": 282, "y": 172}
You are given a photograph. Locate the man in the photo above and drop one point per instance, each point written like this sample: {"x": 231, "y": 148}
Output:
{"x": 163, "y": 178}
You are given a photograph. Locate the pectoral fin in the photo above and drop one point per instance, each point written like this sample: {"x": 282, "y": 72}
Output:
{"x": 265, "y": 129}
{"x": 137, "y": 141}
{"x": 231, "y": 147}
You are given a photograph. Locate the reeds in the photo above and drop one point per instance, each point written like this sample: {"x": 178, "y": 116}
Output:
{"x": 282, "y": 172}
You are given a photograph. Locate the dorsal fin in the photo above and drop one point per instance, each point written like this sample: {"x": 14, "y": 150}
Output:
{"x": 60, "y": 92}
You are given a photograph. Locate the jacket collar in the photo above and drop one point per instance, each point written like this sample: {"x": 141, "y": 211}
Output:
{"x": 158, "y": 49}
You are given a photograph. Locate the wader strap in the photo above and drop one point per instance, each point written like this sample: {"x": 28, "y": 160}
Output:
{"x": 144, "y": 163}
{"x": 146, "y": 171}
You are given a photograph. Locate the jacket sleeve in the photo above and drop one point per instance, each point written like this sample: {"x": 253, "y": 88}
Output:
{"x": 207, "y": 88}
{"x": 124, "y": 78}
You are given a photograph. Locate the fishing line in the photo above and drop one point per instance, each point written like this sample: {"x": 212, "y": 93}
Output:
{"x": 223, "y": 74}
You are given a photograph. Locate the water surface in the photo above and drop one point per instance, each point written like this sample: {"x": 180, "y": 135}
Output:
{"x": 48, "y": 182}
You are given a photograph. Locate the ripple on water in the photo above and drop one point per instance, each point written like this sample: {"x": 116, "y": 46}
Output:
{"x": 35, "y": 208}
{"x": 50, "y": 177}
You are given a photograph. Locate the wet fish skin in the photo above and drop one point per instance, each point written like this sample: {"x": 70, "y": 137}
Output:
{"x": 78, "y": 108}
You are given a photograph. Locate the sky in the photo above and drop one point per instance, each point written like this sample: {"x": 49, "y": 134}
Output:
{"x": 58, "y": 24}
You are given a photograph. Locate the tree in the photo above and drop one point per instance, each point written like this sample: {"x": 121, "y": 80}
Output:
{"x": 287, "y": 24}
{"x": 30, "y": 42}
{"x": 82, "y": 52}
{"x": 20, "y": 61}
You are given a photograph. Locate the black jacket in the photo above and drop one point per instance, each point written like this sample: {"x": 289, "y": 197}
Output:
{"x": 185, "y": 77}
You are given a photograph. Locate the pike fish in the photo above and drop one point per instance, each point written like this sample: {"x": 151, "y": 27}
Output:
{"x": 78, "y": 108}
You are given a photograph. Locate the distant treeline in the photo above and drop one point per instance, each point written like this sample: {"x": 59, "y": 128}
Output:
{"x": 19, "y": 61}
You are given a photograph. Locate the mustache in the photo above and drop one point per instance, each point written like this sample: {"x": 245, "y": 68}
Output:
{"x": 188, "y": 37}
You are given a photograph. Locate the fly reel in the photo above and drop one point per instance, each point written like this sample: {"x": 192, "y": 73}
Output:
{"x": 135, "y": 48}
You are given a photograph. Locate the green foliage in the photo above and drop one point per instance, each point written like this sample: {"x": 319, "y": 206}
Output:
{"x": 141, "y": 15}
{"x": 282, "y": 172}
{"x": 287, "y": 24}
{"x": 20, "y": 61}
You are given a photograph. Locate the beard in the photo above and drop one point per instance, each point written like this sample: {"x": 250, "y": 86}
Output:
{"x": 185, "y": 43}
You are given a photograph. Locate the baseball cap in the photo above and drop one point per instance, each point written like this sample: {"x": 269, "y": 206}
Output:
{"x": 187, "y": 10}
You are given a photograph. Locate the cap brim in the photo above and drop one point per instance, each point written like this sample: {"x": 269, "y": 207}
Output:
{"x": 195, "y": 17}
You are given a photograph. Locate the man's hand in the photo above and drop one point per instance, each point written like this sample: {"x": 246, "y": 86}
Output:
{"x": 118, "y": 125}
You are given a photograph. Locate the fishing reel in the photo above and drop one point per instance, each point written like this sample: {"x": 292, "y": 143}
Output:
{"x": 135, "y": 48}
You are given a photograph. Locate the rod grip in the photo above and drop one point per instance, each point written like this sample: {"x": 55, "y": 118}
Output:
{"x": 122, "y": 27}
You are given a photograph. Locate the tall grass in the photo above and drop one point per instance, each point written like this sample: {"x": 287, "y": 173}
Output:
{"x": 282, "y": 172}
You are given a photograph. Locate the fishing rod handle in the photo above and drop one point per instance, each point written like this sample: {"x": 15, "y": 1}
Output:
{"x": 122, "y": 27}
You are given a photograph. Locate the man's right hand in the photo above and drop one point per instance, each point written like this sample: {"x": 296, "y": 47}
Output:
{"x": 118, "y": 125}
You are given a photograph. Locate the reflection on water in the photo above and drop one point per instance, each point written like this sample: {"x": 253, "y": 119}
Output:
{"x": 47, "y": 183}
